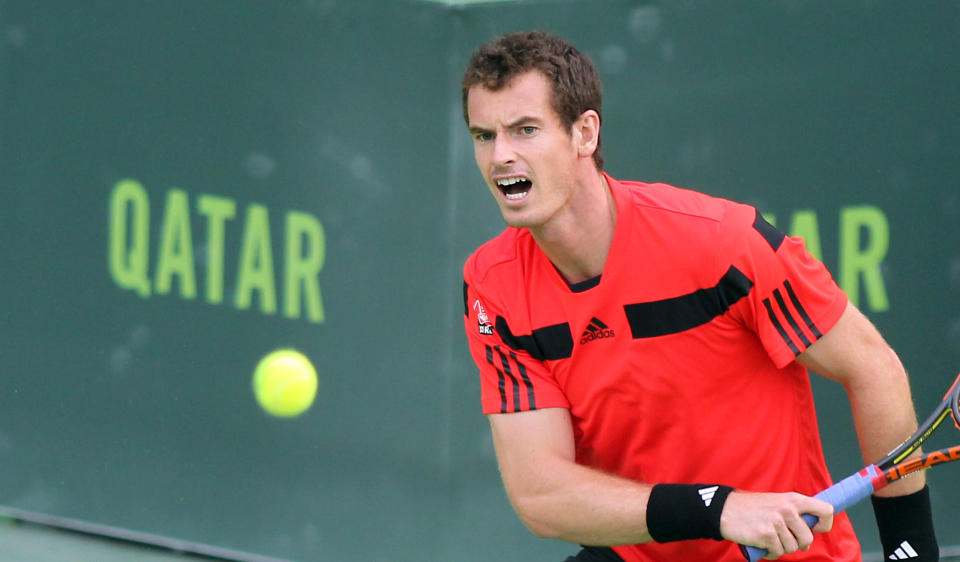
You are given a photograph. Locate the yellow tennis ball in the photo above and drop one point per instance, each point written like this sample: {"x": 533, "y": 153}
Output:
{"x": 285, "y": 383}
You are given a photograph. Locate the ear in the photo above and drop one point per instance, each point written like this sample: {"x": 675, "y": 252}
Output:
{"x": 586, "y": 133}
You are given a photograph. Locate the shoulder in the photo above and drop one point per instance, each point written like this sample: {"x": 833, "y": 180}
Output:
{"x": 497, "y": 257}
{"x": 666, "y": 199}
{"x": 664, "y": 206}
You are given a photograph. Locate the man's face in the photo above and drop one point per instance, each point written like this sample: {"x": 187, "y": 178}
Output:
{"x": 527, "y": 157}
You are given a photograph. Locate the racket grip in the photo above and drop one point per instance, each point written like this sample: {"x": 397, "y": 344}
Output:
{"x": 841, "y": 495}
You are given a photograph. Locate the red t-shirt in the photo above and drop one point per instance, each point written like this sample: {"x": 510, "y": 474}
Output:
{"x": 678, "y": 365}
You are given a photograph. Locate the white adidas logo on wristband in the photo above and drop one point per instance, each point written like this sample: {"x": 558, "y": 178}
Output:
{"x": 706, "y": 494}
{"x": 904, "y": 552}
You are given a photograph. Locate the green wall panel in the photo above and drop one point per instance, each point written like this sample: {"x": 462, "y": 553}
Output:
{"x": 189, "y": 185}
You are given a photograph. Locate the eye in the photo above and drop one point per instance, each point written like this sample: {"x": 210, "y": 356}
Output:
{"x": 528, "y": 130}
{"x": 482, "y": 136}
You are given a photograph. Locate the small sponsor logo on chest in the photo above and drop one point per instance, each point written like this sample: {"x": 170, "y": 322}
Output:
{"x": 596, "y": 330}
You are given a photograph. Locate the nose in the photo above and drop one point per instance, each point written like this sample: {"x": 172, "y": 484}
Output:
{"x": 503, "y": 150}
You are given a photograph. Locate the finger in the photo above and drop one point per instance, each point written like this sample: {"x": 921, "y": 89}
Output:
{"x": 773, "y": 545}
{"x": 788, "y": 540}
{"x": 824, "y": 524}
{"x": 822, "y": 510}
{"x": 801, "y": 533}
{"x": 824, "y": 518}
{"x": 774, "y": 552}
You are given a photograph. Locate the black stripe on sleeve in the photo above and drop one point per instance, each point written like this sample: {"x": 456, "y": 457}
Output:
{"x": 509, "y": 373}
{"x": 769, "y": 232}
{"x": 531, "y": 401}
{"x": 803, "y": 313}
{"x": 677, "y": 314}
{"x": 789, "y": 317}
{"x": 466, "y": 307}
{"x": 502, "y": 383}
{"x": 776, "y": 323}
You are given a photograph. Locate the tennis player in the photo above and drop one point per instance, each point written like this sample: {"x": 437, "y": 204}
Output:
{"x": 643, "y": 349}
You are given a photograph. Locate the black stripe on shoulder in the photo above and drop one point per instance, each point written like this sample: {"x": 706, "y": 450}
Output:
{"x": 531, "y": 397}
{"x": 769, "y": 232}
{"x": 678, "y": 314}
{"x": 789, "y": 317}
{"x": 549, "y": 342}
{"x": 515, "y": 385}
{"x": 780, "y": 329}
{"x": 501, "y": 381}
{"x": 803, "y": 313}
{"x": 466, "y": 307}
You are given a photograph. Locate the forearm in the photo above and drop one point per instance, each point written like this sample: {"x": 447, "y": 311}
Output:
{"x": 884, "y": 416}
{"x": 558, "y": 498}
{"x": 588, "y": 507}
{"x": 566, "y": 501}
{"x": 854, "y": 354}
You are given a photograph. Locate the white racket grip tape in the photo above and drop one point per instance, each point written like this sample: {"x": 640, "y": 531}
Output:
{"x": 841, "y": 495}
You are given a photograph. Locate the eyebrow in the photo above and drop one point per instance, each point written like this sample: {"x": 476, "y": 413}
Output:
{"x": 526, "y": 119}
{"x": 474, "y": 130}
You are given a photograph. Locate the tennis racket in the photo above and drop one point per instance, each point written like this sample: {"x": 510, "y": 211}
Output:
{"x": 891, "y": 468}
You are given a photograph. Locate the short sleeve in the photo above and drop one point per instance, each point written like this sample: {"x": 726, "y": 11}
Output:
{"x": 511, "y": 379}
{"x": 794, "y": 299}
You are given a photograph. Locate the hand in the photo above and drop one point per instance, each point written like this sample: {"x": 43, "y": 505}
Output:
{"x": 773, "y": 521}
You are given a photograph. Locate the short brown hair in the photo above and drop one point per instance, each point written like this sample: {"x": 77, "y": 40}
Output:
{"x": 574, "y": 78}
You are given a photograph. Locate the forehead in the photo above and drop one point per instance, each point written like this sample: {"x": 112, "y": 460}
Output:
{"x": 527, "y": 95}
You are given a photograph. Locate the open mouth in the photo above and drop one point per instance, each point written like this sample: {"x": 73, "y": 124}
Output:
{"x": 514, "y": 188}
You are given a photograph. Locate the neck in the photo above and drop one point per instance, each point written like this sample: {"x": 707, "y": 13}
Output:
{"x": 578, "y": 241}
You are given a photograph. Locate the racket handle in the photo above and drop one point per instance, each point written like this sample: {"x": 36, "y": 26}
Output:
{"x": 841, "y": 495}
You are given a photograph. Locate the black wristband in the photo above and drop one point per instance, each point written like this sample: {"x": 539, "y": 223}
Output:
{"x": 679, "y": 512}
{"x": 906, "y": 527}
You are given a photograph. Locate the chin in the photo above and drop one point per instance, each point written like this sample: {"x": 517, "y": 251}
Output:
{"x": 517, "y": 220}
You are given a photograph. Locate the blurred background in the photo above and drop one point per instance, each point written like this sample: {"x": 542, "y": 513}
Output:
{"x": 188, "y": 185}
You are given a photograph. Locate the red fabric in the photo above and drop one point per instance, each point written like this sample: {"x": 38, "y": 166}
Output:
{"x": 707, "y": 391}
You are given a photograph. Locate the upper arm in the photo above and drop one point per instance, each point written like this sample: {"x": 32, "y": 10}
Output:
{"x": 528, "y": 444}
{"x": 853, "y": 353}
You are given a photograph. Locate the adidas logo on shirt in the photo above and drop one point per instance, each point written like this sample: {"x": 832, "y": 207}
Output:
{"x": 706, "y": 494}
{"x": 596, "y": 330}
{"x": 904, "y": 552}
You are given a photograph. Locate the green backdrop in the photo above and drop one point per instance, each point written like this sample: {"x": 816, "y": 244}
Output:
{"x": 188, "y": 185}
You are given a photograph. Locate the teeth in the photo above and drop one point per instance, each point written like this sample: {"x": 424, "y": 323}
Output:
{"x": 510, "y": 181}
{"x": 515, "y": 195}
